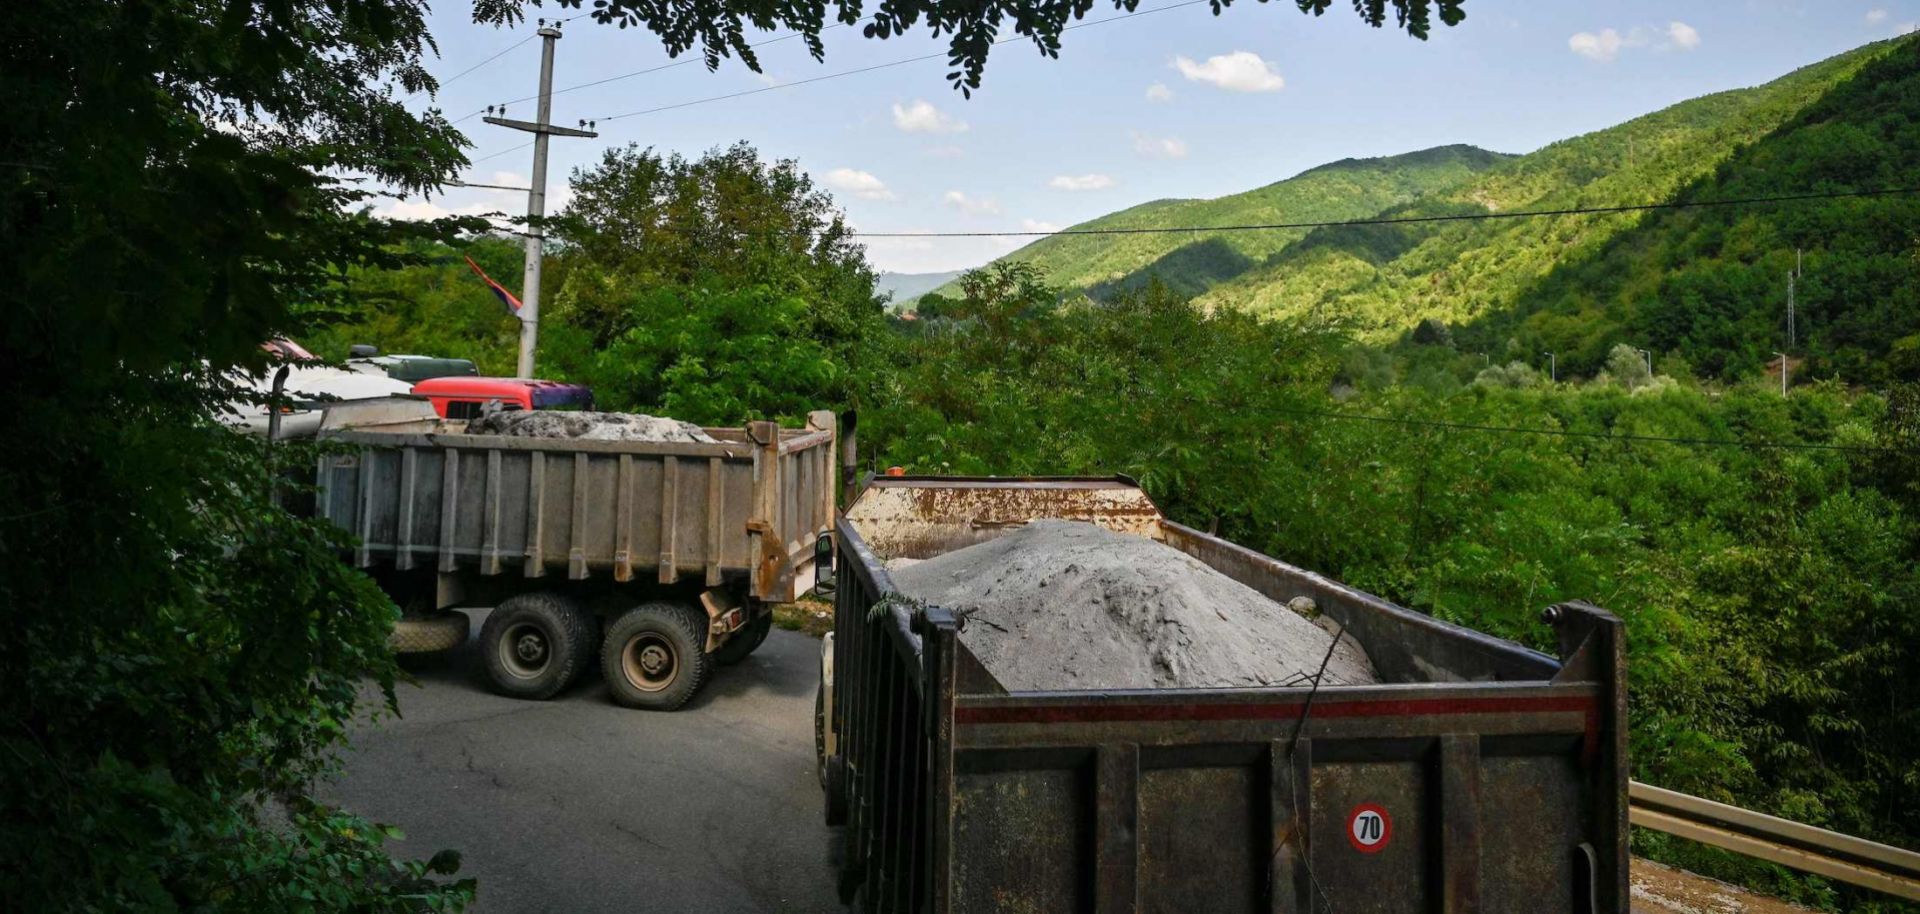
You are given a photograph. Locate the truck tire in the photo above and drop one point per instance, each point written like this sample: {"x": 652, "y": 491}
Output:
{"x": 654, "y": 656}
{"x": 429, "y": 633}
{"x": 833, "y": 769}
{"x": 536, "y": 644}
{"x": 745, "y": 641}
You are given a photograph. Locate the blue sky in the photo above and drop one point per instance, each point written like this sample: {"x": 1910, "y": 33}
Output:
{"x": 1173, "y": 104}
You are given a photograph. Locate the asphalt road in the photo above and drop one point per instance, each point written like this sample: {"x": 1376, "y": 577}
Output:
{"x": 578, "y": 805}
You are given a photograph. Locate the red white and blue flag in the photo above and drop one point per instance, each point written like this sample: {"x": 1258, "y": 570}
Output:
{"x": 506, "y": 298}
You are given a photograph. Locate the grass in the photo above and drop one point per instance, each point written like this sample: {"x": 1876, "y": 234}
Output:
{"x": 807, "y": 616}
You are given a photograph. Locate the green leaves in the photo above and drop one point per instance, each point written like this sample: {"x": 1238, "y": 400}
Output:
{"x": 187, "y": 653}
{"x": 719, "y": 27}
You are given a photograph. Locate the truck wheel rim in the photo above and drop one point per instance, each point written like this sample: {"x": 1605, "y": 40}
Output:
{"x": 649, "y": 662}
{"x": 525, "y": 650}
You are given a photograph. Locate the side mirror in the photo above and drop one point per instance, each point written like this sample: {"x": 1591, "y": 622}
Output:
{"x": 823, "y": 561}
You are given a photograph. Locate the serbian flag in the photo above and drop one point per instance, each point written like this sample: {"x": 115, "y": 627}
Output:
{"x": 506, "y": 298}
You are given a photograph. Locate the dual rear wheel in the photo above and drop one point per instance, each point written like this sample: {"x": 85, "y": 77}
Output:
{"x": 652, "y": 656}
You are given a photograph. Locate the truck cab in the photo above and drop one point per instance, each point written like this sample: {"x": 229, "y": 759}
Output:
{"x": 465, "y": 397}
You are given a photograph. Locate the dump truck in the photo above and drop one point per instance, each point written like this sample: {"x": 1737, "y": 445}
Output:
{"x": 654, "y": 561}
{"x": 1478, "y": 775}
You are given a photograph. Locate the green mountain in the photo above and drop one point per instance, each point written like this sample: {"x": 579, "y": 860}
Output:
{"x": 1706, "y": 285}
{"x": 901, "y": 288}
{"x": 1193, "y": 263}
{"x": 1709, "y": 285}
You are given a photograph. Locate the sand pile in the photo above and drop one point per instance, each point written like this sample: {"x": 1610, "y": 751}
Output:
{"x": 587, "y": 426}
{"x": 1067, "y": 605}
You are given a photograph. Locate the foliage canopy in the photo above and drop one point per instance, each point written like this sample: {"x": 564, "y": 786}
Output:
{"x": 720, "y": 27}
{"x": 186, "y": 653}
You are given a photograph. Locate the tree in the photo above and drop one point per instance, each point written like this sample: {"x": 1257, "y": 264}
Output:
{"x": 721, "y": 27}
{"x": 726, "y": 218}
{"x": 1510, "y": 375}
{"x": 1628, "y": 367}
{"x": 647, "y": 234}
{"x": 186, "y": 654}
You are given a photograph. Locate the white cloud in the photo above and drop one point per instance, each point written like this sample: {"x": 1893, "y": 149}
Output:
{"x": 499, "y": 206}
{"x": 923, "y": 117}
{"x": 1602, "y": 46}
{"x": 1683, "y": 36}
{"x": 419, "y": 210}
{"x": 1083, "y": 182}
{"x": 859, "y": 183}
{"x": 972, "y": 206}
{"x": 1038, "y": 225}
{"x": 1159, "y": 147}
{"x": 1606, "y": 44}
{"x": 1158, "y": 92}
{"x": 1240, "y": 71}
{"x": 1876, "y": 16}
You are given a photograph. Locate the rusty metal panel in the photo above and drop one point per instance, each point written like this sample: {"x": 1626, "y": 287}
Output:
{"x": 532, "y": 553}
{"x": 655, "y": 511}
{"x": 920, "y": 517}
{"x": 1203, "y": 831}
{"x": 1528, "y": 856}
{"x": 1026, "y": 831}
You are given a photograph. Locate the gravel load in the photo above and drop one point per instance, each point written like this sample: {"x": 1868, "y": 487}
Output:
{"x": 1067, "y": 605}
{"x": 587, "y": 426}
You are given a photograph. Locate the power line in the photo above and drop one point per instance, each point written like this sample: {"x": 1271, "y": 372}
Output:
{"x": 503, "y": 52}
{"x": 1411, "y": 220}
{"x": 937, "y": 55}
{"x": 495, "y": 155}
{"x": 815, "y": 79}
{"x": 1462, "y": 217}
{"x": 1570, "y": 433}
{"x": 678, "y": 63}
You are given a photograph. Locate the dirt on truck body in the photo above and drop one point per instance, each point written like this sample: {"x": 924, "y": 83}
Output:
{"x": 651, "y": 552}
{"x": 1475, "y": 775}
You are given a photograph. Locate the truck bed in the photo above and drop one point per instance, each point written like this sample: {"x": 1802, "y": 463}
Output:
{"x": 1479, "y": 776}
{"x": 419, "y": 492}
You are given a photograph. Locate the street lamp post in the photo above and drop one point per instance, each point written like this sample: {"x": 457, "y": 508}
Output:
{"x": 1649, "y": 357}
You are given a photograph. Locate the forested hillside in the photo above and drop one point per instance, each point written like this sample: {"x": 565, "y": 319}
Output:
{"x": 1706, "y": 288}
{"x": 1709, "y": 285}
{"x": 1194, "y": 262}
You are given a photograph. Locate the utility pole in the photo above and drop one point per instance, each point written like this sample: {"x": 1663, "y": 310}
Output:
{"x": 1649, "y": 357}
{"x": 1793, "y": 279}
{"x": 536, "y": 236}
{"x": 1783, "y": 373}
{"x": 1553, "y": 367}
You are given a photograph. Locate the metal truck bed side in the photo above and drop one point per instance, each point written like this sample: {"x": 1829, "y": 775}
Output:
{"x": 749, "y": 506}
{"x": 1483, "y": 777}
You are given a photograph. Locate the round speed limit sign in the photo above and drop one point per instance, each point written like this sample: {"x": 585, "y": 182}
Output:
{"x": 1369, "y": 828}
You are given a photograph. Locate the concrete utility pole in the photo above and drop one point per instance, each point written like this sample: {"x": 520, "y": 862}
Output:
{"x": 536, "y": 236}
{"x": 1553, "y": 367}
{"x": 1783, "y": 373}
{"x": 1649, "y": 357}
{"x": 1793, "y": 279}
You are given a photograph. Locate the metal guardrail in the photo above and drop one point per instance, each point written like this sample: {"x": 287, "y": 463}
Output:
{"x": 1855, "y": 861}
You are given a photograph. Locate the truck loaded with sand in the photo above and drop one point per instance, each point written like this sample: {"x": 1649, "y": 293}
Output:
{"x": 650, "y": 548}
{"x": 1042, "y": 695}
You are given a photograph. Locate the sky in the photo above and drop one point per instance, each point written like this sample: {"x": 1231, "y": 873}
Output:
{"x": 1178, "y": 103}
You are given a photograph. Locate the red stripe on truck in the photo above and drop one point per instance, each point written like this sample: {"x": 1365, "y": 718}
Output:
{"x": 1408, "y": 707}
